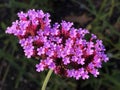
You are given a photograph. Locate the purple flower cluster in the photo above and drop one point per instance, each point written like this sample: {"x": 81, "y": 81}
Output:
{"x": 68, "y": 51}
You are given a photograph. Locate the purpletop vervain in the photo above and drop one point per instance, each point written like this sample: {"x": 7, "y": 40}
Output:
{"x": 68, "y": 51}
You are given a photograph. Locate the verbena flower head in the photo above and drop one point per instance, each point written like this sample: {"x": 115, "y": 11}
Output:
{"x": 68, "y": 51}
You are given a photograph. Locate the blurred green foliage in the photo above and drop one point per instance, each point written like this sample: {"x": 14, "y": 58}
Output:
{"x": 18, "y": 72}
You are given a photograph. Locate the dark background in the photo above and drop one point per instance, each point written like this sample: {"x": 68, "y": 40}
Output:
{"x": 101, "y": 17}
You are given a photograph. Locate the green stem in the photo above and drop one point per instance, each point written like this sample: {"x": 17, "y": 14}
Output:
{"x": 46, "y": 79}
{"x": 6, "y": 73}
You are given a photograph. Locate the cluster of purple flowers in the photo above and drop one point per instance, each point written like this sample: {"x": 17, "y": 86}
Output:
{"x": 68, "y": 51}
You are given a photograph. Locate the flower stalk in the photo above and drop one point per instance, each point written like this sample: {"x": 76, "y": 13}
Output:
{"x": 47, "y": 79}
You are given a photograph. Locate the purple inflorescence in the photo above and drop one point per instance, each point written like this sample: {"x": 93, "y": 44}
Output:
{"x": 68, "y": 51}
